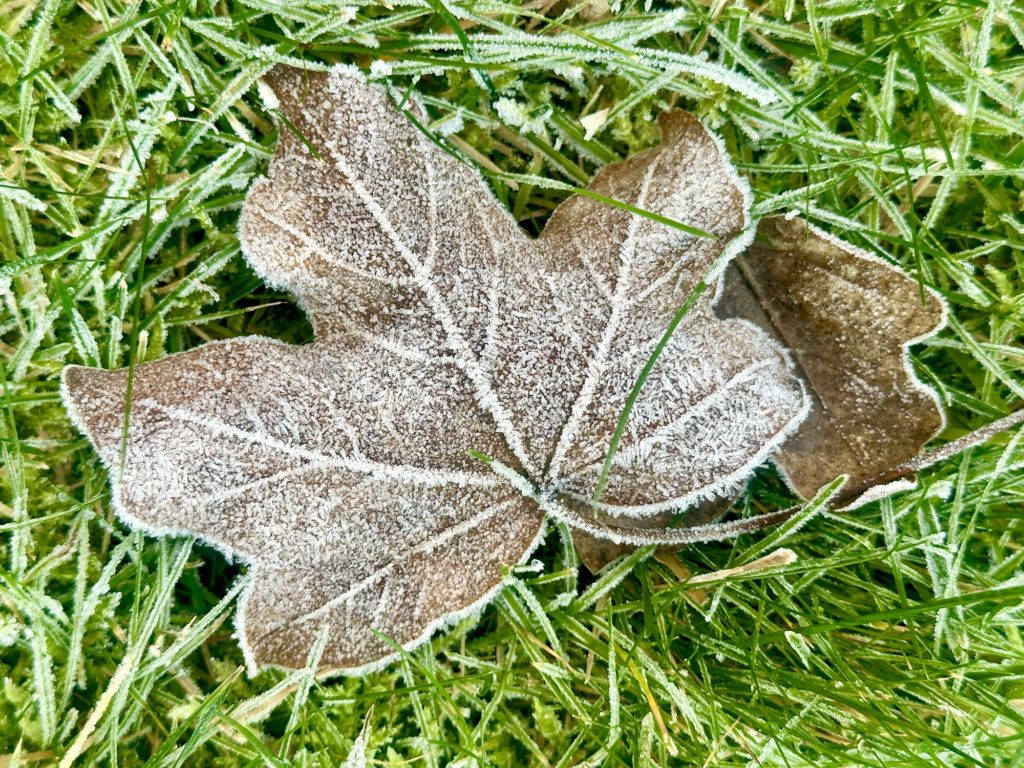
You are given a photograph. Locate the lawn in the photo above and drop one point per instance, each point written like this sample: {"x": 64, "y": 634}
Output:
{"x": 891, "y": 636}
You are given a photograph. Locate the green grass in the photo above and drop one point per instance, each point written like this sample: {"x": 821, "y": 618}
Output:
{"x": 130, "y": 131}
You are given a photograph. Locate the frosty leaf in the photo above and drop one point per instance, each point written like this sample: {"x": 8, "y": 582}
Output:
{"x": 340, "y": 471}
{"x": 721, "y": 396}
{"x": 847, "y": 317}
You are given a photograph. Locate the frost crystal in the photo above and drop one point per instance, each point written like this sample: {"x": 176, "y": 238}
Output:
{"x": 340, "y": 471}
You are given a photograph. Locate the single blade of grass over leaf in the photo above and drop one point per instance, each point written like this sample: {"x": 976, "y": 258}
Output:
{"x": 545, "y": 183}
{"x": 634, "y": 393}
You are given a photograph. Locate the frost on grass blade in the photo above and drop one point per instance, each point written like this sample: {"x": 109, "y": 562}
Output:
{"x": 343, "y": 472}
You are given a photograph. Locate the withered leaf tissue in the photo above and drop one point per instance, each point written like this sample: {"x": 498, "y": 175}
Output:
{"x": 341, "y": 471}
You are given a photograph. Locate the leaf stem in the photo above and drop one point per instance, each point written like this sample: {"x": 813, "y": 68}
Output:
{"x": 833, "y": 495}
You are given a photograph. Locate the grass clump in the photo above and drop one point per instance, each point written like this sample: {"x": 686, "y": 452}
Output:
{"x": 130, "y": 132}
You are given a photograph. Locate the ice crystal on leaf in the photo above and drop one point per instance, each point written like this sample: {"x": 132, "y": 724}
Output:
{"x": 347, "y": 472}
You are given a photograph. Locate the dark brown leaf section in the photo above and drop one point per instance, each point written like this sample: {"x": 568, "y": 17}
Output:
{"x": 847, "y": 318}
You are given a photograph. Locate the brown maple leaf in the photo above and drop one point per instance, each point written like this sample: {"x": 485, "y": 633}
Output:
{"x": 342, "y": 472}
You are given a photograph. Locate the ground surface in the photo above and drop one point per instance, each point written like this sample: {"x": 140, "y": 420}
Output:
{"x": 129, "y": 134}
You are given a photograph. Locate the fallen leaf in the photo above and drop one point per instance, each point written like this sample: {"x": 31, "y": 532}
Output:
{"x": 340, "y": 471}
{"x": 592, "y": 123}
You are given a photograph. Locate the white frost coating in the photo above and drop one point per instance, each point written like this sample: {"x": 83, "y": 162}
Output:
{"x": 619, "y": 305}
{"x": 380, "y": 69}
{"x": 564, "y": 512}
{"x": 472, "y": 611}
{"x": 879, "y": 492}
{"x": 267, "y": 95}
{"x": 721, "y": 486}
{"x": 22, "y": 197}
{"x": 229, "y": 548}
{"x": 116, "y": 205}
{"x": 516, "y": 45}
{"x": 357, "y": 755}
{"x": 340, "y": 472}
